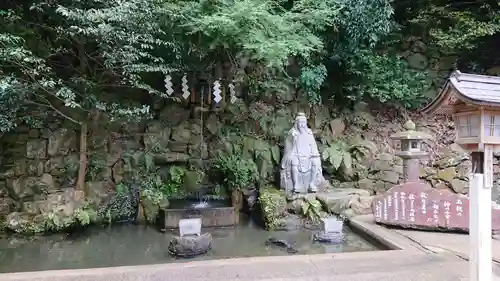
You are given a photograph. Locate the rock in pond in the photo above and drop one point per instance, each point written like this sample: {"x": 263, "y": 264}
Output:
{"x": 190, "y": 245}
{"x": 329, "y": 237}
{"x": 418, "y": 206}
{"x": 281, "y": 243}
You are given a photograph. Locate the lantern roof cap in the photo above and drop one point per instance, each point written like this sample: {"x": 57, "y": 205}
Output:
{"x": 409, "y": 125}
{"x": 480, "y": 90}
{"x": 410, "y": 133}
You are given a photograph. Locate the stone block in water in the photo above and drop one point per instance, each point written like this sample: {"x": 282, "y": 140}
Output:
{"x": 332, "y": 225}
{"x": 190, "y": 245}
{"x": 329, "y": 237}
{"x": 190, "y": 227}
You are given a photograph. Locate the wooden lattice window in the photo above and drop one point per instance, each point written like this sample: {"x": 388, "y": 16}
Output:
{"x": 468, "y": 126}
{"x": 475, "y": 125}
{"x": 491, "y": 125}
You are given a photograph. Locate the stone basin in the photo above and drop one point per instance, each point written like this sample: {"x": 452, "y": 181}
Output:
{"x": 214, "y": 213}
{"x": 190, "y": 246}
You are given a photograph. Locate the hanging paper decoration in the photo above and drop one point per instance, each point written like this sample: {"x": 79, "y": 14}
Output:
{"x": 168, "y": 85}
{"x": 216, "y": 93}
{"x": 185, "y": 88}
{"x": 232, "y": 93}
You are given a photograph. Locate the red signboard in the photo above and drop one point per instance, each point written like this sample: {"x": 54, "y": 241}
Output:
{"x": 417, "y": 205}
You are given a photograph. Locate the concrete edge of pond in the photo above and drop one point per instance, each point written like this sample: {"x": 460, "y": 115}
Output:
{"x": 365, "y": 226}
{"x": 306, "y": 264}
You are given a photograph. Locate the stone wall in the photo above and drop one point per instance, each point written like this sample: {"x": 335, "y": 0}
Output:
{"x": 448, "y": 166}
{"x": 34, "y": 163}
{"x": 37, "y": 165}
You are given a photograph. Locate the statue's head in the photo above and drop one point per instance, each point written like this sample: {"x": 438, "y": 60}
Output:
{"x": 301, "y": 122}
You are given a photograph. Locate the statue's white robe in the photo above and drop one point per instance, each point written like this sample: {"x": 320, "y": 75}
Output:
{"x": 302, "y": 154}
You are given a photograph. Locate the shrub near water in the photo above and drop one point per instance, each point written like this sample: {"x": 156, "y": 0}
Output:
{"x": 273, "y": 204}
{"x": 54, "y": 221}
{"x": 235, "y": 172}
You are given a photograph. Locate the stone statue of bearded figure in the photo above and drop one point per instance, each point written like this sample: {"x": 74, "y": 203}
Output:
{"x": 301, "y": 170}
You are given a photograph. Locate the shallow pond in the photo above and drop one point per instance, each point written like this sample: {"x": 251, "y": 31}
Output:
{"x": 137, "y": 245}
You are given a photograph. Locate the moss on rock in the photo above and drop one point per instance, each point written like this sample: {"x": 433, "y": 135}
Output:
{"x": 151, "y": 209}
{"x": 53, "y": 221}
{"x": 273, "y": 205}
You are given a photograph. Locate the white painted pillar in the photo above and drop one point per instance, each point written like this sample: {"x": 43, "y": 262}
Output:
{"x": 480, "y": 252}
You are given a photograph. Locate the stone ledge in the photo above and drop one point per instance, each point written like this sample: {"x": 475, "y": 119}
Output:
{"x": 366, "y": 226}
{"x": 298, "y": 267}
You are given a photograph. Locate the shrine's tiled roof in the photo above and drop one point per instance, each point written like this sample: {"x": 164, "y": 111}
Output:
{"x": 470, "y": 88}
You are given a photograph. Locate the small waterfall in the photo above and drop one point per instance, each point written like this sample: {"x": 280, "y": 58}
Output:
{"x": 201, "y": 202}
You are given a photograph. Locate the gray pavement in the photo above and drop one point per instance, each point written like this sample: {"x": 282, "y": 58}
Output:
{"x": 389, "y": 265}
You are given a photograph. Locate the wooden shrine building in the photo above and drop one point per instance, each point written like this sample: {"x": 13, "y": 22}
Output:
{"x": 474, "y": 102}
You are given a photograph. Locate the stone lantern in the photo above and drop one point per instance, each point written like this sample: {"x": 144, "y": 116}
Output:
{"x": 411, "y": 150}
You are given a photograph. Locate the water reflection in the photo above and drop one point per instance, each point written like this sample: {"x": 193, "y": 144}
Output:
{"x": 135, "y": 245}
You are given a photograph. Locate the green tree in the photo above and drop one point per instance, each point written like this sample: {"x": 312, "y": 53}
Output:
{"x": 90, "y": 58}
{"x": 468, "y": 29}
{"x": 79, "y": 60}
{"x": 453, "y": 25}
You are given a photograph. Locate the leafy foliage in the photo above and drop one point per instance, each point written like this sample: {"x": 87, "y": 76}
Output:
{"x": 93, "y": 47}
{"x": 173, "y": 186}
{"x": 56, "y": 220}
{"x": 96, "y": 166}
{"x": 311, "y": 79}
{"x": 83, "y": 216}
{"x": 467, "y": 29}
{"x": 262, "y": 29}
{"x": 311, "y": 209}
{"x": 339, "y": 155}
{"x": 87, "y": 50}
{"x": 157, "y": 184}
{"x": 386, "y": 79}
{"x": 75, "y": 57}
{"x": 235, "y": 171}
{"x": 456, "y": 25}
{"x": 357, "y": 69}
{"x": 122, "y": 206}
{"x": 273, "y": 204}
{"x": 259, "y": 148}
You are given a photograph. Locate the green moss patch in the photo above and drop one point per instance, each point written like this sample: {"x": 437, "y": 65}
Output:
{"x": 273, "y": 205}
